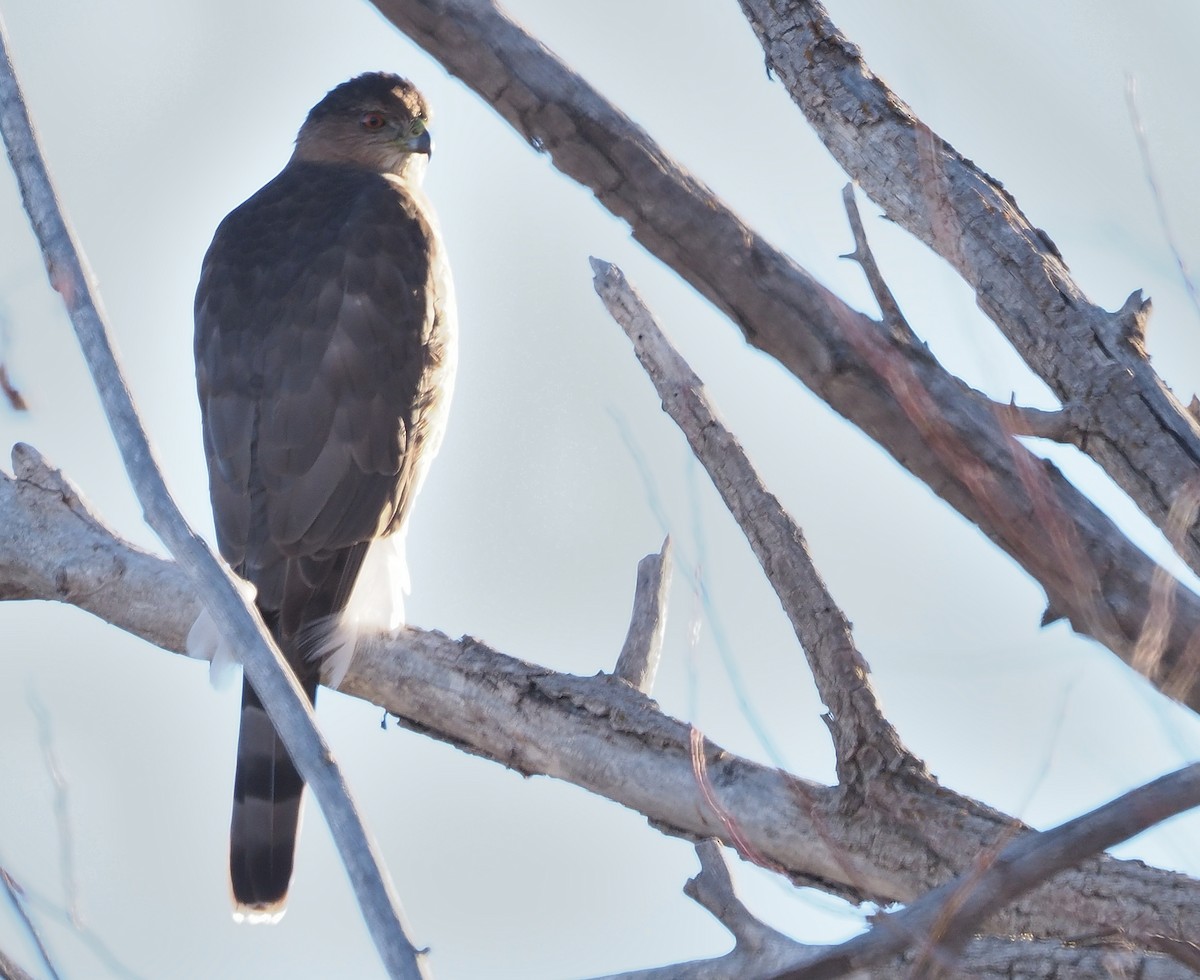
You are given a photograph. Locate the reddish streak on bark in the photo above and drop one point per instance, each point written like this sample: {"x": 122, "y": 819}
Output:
{"x": 10, "y": 391}
{"x": 1148, "y": 653}
{"x": 700, "y": 769}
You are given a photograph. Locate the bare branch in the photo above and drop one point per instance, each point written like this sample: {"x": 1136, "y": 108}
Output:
{"x": 602, "y": 735}
{"x": 1059, "y": 425}
{"x": 862, "y": 254}
{"x": 761, "y": 951}
{"x": 13, "y": 890}
{"x": 713, "y": 889}
{"x": 1138, "y": 432}
{"x": 272, "y": 680}
{"x": 638, "y": 662}
{"x": 860, "y": 732}
{"x": 9, "y": 970}
{"x": 62, "y": 809}
{"x": 894, "y": 391}
{"x": 950, "y": 914}
{"x": 68, "y": 557}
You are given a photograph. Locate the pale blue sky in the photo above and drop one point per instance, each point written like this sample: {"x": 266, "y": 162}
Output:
{"x": 157, "y": 119}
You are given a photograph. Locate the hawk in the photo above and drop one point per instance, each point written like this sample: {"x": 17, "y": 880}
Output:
{"x": 325, "y": 354}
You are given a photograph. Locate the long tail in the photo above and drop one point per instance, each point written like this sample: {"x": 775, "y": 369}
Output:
{"x": 267, "y": 796}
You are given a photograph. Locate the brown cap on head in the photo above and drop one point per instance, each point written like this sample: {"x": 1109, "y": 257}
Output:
{"x": 372, "y": 90}
{"x": 377, "y": 121}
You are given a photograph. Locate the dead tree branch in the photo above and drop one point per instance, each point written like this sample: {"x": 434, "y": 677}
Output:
{"x": 934, "y": 426}
{"x": 640, "y": 654}
{"x": 601, "y": 734}
{"x": 864, "y": 741}
{"x": 939, "y": 924}
{"x": 761, "y": 951}
{"x": 1137, "y": 430}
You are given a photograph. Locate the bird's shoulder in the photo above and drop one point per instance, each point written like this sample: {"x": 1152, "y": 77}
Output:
{"x": 311, "y": 207}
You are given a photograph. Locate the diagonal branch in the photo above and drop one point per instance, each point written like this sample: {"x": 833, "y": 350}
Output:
{"x": 15, "y": 896}
{"x": 893, "y": 390}
{"x": 761, "y": 951}
{"x": 272, "y": 679}
{"x": 949, "y": 915}
{"x": 602, "y": 735}
{"x": 863, "y": 738}
{"x": 1137, "y": 430}
{"x": 10, "y": 970}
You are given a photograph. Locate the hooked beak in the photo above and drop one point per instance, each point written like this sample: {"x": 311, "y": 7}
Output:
{"x": 420, "y": 144}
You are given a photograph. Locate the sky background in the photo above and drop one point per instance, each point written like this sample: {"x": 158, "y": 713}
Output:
{"x": 559, "y": 470}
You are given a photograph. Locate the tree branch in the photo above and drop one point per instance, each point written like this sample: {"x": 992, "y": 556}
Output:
{"x": 10, "y": 970}
{"x": 272, "y": 679}
{"x": 889, "y": 309}
{"x": 940, "y": 923}
{"x": 1137, "y": 430}
{"x": 638, "y": 662}
{"x": 864, "y": 741}
{"x": 600, "y": 734}
{"x": 761, "y": 951}
{"x": 933, "y": 425}
{"x": 14, "y": 893}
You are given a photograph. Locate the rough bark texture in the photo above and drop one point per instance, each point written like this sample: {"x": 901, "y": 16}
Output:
{"x": 886, "y": 383}
{"x": 910, "y": 835}
{"x": 865, "y": 743}
{"x": 1093, "y": 360}
{"x": 888, "y": 832}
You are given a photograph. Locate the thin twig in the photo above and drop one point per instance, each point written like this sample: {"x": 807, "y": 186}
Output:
{"x": 264, "y": 666}
{"x": 12, "y": 394}
{"x": 713, "y": 889}
{"x": 1160, "y": 204}
{"x": 13, "y": 890}
{"x": 862, "y": 254}
{"x": 62, "y": 808}
{"x": 638, "y": 662}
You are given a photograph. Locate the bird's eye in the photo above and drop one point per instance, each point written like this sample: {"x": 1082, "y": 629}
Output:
{"x": 416, "y": 127}
{"x": 372, "y": 121}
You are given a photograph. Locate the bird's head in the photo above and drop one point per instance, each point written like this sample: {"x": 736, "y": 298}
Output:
{"x": 376, "y": 121}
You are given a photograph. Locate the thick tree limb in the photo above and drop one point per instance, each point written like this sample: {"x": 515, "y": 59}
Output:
{"x": 272, "y": 679}
{"x": 1136, "y": 429}
{"x": 600, "y": 734}
{"x": 940, "y": 923}
{"x": 944, "y": 433}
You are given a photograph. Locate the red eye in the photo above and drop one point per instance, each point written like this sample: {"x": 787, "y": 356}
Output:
{"x": 372, "y": 120}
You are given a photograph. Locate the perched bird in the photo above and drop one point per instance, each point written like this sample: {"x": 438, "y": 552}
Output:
{"x": 325, "y": 353}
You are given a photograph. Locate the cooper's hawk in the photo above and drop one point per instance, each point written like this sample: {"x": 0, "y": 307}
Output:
{"x": 325, "y": 353}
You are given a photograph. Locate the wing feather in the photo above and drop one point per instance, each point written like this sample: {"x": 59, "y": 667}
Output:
{"x": 322, "y": 323}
